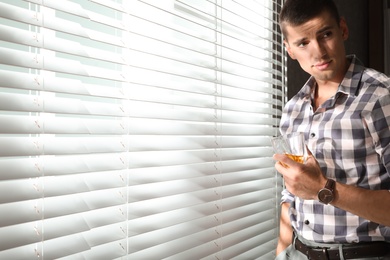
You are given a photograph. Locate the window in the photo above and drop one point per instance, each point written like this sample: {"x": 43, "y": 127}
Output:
{"x": 139, "y": 129}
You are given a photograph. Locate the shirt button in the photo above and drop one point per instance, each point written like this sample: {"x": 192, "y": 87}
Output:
{"x": 312, "y": 135}
{"x": 307, "y": 222}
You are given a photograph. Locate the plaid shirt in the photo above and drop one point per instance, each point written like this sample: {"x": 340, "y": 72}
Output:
{"x": 350, "y": 137}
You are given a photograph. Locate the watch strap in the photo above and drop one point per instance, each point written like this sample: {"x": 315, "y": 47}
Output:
{"x": 330, "y": 184}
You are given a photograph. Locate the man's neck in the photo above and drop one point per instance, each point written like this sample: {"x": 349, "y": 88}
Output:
{"x": 324, "y": 91}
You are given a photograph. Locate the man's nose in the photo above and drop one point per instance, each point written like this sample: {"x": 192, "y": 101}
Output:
{"x": 319, "y": 49}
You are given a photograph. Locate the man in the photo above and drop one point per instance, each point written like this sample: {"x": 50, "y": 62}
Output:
{"x": 337, "y": 204}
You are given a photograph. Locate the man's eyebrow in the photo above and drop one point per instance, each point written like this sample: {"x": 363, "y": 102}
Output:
{"x": 326, "y": 28}
{"x": 299, "y": 41}
{"x": 322, "y": 30}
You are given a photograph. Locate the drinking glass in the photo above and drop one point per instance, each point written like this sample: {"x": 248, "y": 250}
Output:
{"x": 293, "y": 145}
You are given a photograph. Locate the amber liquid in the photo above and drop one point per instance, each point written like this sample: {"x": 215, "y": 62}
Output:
{"x": 297, "y": 158}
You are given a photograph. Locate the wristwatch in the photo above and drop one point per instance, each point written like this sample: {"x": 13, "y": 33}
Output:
{"x": 326, "y": 194}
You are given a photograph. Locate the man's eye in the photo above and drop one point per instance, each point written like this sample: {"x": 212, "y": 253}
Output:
{"x": 302, "y": 44}
{"x": 327, "y": 34}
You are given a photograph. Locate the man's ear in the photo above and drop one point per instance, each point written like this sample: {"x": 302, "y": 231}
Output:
{"x": 344, "y": 28}
{"x": 288, "y": 49}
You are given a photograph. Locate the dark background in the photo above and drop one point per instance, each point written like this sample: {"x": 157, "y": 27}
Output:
{"x": 366, "y": 39}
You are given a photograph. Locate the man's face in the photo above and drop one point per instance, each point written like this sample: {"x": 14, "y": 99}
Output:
{"x": 318, "y": 46}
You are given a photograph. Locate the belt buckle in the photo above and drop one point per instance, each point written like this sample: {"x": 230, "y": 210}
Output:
{"x": 325, "y": 253}
{"x": 319, "y": 253}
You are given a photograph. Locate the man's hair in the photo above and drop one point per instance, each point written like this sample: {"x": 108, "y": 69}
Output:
{"x": 297, "y": 12}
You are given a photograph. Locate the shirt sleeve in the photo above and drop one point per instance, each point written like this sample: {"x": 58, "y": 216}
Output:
{"x": 287, "y": 197}
{"x": 380, "y": 129}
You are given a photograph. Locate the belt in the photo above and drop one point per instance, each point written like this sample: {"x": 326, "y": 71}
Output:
{"x": 352, "y": 251}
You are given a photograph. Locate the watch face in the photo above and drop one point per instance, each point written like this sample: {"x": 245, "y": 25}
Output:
{"x": 325, "y": 196}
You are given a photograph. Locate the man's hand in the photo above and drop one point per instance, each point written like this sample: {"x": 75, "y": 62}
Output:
{"x": 302, "y": 180}
{"x": 305, "y": 180}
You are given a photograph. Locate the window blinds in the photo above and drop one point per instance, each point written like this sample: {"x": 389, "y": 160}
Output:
{"x": 139, "y": 129}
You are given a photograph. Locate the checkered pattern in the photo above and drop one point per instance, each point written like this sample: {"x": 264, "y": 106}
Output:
{"x": 350, "y": 137}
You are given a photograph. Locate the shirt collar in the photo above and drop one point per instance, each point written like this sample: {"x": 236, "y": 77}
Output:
{"x": 350, "y": 84}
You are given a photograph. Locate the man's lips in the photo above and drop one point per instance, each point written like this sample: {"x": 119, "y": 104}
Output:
{"x": 322, "y": 65}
